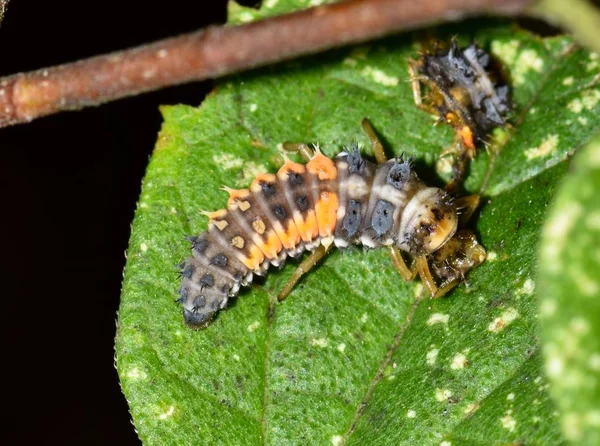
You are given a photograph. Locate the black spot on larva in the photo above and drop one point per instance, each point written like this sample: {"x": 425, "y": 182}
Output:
{"x": 355, "y": 162}
{"x": 225, "y": 289}
{"x": 196, "y": 319}
{"x": 207, "y": 280}
{"x": 188, "y": 270}
{"x": 426, "y": 228}
{"x": 199, "y": 244}
{"x": 199, "y": 303}
{"x": 437, "y": 214}
{"x": 295, "y": 179}
{"x": 219, "y": 260}
{"x": 351, "y": 221}
{"x": 280, "y": 212}
{"x": 398, "y": 174}
{"x": 302, "y": 203}
{"x": 183, "y": 294}
{"x": 268, "y": 189}
{"x": 382, "y": 218}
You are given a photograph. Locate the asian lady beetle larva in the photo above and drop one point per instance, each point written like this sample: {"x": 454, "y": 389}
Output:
{"x": 342, "y": 201}
{"x": 465, "y": 90}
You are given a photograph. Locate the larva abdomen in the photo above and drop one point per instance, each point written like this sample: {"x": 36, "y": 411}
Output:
{"x": 345, "y": 201}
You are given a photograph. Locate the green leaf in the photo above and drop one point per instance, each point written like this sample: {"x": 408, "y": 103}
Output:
{"x": 569, "y": 279}
{"x": 354, "y": 355}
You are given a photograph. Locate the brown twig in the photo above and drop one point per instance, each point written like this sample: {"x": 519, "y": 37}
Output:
{"x": 217, "y": 51}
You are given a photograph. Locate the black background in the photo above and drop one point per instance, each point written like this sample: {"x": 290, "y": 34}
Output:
{"x": 69, "y": 185}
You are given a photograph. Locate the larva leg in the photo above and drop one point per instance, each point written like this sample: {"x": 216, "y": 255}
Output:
{"x": 400, "y": 265}
{"x": 426, "y": 277}
{"x": 375, "y": 142}
{"x": 468, "y": 204}
{"x": 415, "y": 85}
{"x": 301, "y": 148}
{"x": 441, "y": 292}
{"x": 302, "y": 269}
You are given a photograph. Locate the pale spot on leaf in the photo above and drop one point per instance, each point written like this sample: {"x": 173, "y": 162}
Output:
{"x": 505, "y": 51}
{"x": 527, "y": 289}
{"x": 527, "y": 61}
{"x": 336, "y": 440}
{"x": 321, "y": 342}
{"x": 471, "y": 409}
{"x": 253, "y": 326}
{"x": 136, "y": 374}
{"x": 442, "y": 394}
{"x": 547, "y": 146}
{"x": 508, "y": 422}
{"x": 170, "y": 411}
{"x": 459, "y": 361}
{"x": 492, "y": 256}
{"x": 432, "y": 356}
{"x": 380, "y": 77}
{"x": 438, "y": 318}
{"x": 505, "y": 319}
{"x": 411, "y": 414}
{"x": 227, "y": 161}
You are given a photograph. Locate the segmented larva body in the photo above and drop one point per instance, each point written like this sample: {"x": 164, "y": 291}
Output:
{"x": 343, "y": 201}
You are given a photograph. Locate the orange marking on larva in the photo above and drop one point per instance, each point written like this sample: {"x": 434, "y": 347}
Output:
{"x": 236, "y": 195}
{"x": 288, "y": 167}
{"x": 272, "y": 247}
{"x": 323, "y": 167}
{"x": 326, "y": 209}
{"x": 262, "y": 178}
{"x": 467, "y": 137}
{"x": 293, "y": 233}
{"x": 214, "y": 215}
{"x": 256, "y": 258}
{"x": 308, "y": 226}
{"x": 290, "y": 238}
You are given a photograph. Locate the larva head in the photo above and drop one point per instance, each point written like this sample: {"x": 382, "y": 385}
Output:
{"x": 428, "y": 222}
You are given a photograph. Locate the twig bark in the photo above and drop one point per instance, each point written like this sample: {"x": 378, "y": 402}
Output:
{"x": 217, "y": 51}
